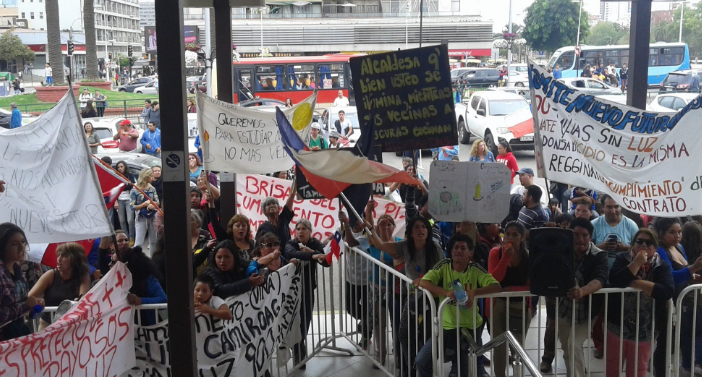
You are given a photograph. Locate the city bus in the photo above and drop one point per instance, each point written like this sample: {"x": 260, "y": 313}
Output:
{"x": 293, "y": 77}
{"x": 663, "y": 59}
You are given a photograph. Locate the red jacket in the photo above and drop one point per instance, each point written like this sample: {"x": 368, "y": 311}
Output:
{"x": 511, "y": 162}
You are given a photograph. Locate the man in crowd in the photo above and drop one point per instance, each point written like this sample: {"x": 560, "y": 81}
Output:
{"x": 613, "y": 231}
{"x": 624, "y": 76}
{"x": 146, "y": 113}
{"x": 16, "y": 119}
{"x": 343, "y": 126}
{"x": 127, "y": 137}
{"x": 155, "y": 114}
{"x": 557, "y": 72}
{"x": 503, "y": 76}
{"x": 526, "y": 178}
{"x": 334, "y": 140}
{"x": 583, "y": 211}
{"x": 612, "y": 75}
{"x": 341, "y": 101}
{"x": 532, "y": 215}
{"x": 151, "y": 140}
{"x": 582, "y": 195}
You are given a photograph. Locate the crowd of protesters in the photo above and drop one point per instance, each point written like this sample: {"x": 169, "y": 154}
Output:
{"x": 612, "y": 248}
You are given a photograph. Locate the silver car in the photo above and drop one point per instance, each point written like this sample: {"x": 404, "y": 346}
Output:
{"x": 590, "y": 86}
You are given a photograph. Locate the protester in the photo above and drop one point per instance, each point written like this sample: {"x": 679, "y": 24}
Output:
{"x": 267, "y": 256}
{"x": 643, "y": 269}
{"x": 155, "y": 115}
{"x": 238, "y": 230}
{"x": 16, "y": 118}
{"x": 192, "y": 109}
{"x": 278, "y": 222}
{"x": 122, "y": 205}
{"x": 15, "y": 303}
{"x": 146, "y": 288}
{"x": 317, "y": 142}
{"x": 92, "y": 136}
{"x": 228, "y": 272}
{"x": 158, "y": 181}
{"x": 151, "y": 140}
{"x": 89, "y": 111}
{"x": 479, "y": 153}
{"x": 334, "y": 140}
{"x": 509, "y": 265}
{"x": 144, "y": 201}
{"x": 590, "y": 277}
{"x": 506, "y": 157}
{"x": 584, "y": 211}
{"x": 206, "y": 302}
{"x": 195, "y": 166}
{"x": 553, "y": 209}
{"x": 439, "y": 281}
{"x": 288, "y": 103}
{"x": 691, "y": 242}
{"x": 669, "y": 232}
{"x": 146, "y": 112}
{"x": 532, "y": 215}
{"x": 613, "y": 231}
{"x": 201, "y": 242}
{"x": 305, "y": 248}
{"x": 583, "y": 195}
{"x": 526, "y": 178}
{"x": 70, "y": 279}
{"x": 127, "y": 137}
{"x": 564, "y": 220}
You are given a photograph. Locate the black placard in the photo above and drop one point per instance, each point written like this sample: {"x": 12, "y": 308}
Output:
{"x": 404, "y": 98}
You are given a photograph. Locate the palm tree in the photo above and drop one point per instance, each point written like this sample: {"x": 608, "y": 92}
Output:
{"x": 213, "y": 34}
{"x": 53, "y": 35}
{"x": 91, "y": 63}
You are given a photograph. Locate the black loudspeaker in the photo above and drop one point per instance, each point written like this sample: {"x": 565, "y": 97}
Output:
{"x": 551, "y": 261}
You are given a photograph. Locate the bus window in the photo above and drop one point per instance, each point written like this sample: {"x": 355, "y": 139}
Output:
{"x": 244, "y": 84}
{"x": 566, "y": 60}
{"x": 270, "y": 77}
{"x": 331, "y": 76}
{"x": 302, "y": 76}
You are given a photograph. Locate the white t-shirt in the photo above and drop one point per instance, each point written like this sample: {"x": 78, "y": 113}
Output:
{"x": 345, "y": 126}
{"x": 341, "y": 102}
{"x": 48, "y": 71}
{"x": 215, "y": 302}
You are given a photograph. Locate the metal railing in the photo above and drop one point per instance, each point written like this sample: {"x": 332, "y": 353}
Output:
{"x": 130, "y": 109}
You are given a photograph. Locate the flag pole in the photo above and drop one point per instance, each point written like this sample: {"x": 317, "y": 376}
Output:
{"x": 353, "y": 210}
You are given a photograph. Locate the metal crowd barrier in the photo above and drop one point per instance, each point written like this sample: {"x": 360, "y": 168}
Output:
{"x": 686, "y": 322}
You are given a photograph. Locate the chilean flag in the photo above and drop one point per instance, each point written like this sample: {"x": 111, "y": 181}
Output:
{"x": 330, "y": 171}
{"x": 520, "y": 123}
{"x": 334, "y": 248}
{"x": 111, "y": 184}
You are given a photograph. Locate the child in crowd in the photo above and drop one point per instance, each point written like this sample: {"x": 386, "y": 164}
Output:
{"x": 206, "y": 302}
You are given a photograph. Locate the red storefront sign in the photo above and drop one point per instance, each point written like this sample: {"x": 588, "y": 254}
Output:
{"x": 42, "y": 48}
{"x": 472, "y": 52}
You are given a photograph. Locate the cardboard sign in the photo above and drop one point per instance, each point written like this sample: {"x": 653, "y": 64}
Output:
{"x": 469, "y": 191}
{"x": 404, "y": 98}
{"x": 648, "y": 162}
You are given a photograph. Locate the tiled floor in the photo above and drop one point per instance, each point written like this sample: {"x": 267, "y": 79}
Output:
{"x": 332, "y": 363}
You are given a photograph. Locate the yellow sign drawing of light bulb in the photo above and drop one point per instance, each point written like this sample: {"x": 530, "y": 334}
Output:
{"x": 302, "y": 116}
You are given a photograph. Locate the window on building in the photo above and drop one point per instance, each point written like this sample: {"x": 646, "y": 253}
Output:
{"x": 23, "y": 14}
{"x": 455, "y": 5}
{"x": 31, "y": 15}
{"x": 41, "y": 15}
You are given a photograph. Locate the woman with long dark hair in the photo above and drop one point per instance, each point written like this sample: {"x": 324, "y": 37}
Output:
{"x": 92, "y": 136}
{"x": 122, "y": 206}
{"x": 68, "y": 281}
{"x": 89, "y": 111}
{"x": 14, "y": 302}
{"x": 506, "y": 157}
{"x": 228, "y": 272}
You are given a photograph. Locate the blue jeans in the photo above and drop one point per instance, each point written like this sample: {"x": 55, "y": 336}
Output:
{"x": 424, "y": 362}
{"x": 126, "y": 218}
{"x": 49, "y": 80}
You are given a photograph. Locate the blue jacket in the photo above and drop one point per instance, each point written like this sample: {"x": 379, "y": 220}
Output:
{"x": 447, "y": 154}
{"x": 557, "y": 74}
{"x": 16, "y": 120}
{"x": 153, "y": 139}
{"x": 197, "y": 145}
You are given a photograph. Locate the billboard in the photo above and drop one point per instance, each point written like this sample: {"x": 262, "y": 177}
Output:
{"x": 190, "y": 35}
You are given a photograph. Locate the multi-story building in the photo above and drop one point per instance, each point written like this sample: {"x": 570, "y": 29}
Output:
{"x": 116, "y": 22}
{"x": 619, "y": 12}
{"x": 147, "y": 13}
{"x": 314, "y": 27}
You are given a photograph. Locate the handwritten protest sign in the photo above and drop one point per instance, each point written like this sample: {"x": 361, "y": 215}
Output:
{"x": 404, "y": 98}
{"x": 469, "y": 191}
{"x": 246, "y": 140}
{"x": 52, "y": 190}
{"x": 264, "y": 318}
{"x": 94, "y": 338}
{"x": 648, "y": 162}
{"x": 323, "y": 214}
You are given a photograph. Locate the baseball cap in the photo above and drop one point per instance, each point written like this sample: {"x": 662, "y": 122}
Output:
{"x": 526, "y": 171}
{"x": 125, "y": 122}
{"x": 316, "y": 126}
{"x": 334, "y": 134}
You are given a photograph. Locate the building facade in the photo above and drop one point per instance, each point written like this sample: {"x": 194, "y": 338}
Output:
{"x": 619, "y": 12}
{"x": 147, "y": 13}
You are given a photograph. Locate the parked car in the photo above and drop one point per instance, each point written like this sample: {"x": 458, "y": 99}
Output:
{"x": 149, "y": 88}
{"x": 6, "y": 118}
{"x": 331, "y": 115}
{"x": 104, "y": 125}
{"x": 681, "y": 81}
{"x": 671, "y": 102}
{"x": 489, "y": 115}
{"x": 477, "y": 77}
{"x": 590, "y": 86}
{"x": 134, "y": 84}
{"x": 524, "y": 92}
{"x": 518, "y": 78}
{"x": 136, "y": 161}
{"x": 262, "y": 102}
{"x": 199, "y": 82}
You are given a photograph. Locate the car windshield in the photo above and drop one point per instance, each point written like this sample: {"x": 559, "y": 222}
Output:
{"x": 352, "y": 116}
{"x": 455, "y": 73}
{"x": 148, "y": 161}
{"x": 506, "y": 106}
{"x": 678, "y": 79}
{"x": 103, "y": 133}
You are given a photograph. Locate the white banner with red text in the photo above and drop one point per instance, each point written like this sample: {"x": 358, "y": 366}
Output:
{"x": 94, "y": 338}
{"x": 263, "y": 319}
{"x": 323, "y": 214}
{"x": 648, "y": 162}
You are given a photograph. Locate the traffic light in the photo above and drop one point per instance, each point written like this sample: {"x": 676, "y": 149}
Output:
{"x": 129, "y": 51}
{"x": 109, "y": 56}
{"x": 71, "y": 48}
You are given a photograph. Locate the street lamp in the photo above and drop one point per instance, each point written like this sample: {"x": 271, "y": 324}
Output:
{"x": 682, "y": 12}
{"x": 576, "y": 54}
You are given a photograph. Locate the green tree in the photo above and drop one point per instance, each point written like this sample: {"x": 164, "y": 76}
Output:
{"x": 11, "y": 48}
{"x": 692, "y": 28}
{"x": 661, "y": 32}
{"x": 607, "y": 33}
{"x": 552, "y": 24}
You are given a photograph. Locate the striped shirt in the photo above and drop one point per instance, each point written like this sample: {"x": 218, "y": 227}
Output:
{"x": 533, "y": 217}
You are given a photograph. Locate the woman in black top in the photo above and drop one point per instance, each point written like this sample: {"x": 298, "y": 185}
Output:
{"x": 305, "y": 248}
{"x": 68, "y": 281}
{"x": 228, "y": 273}
{"x": 239, "y": 231}
{"x": 122, "y": 206}
{"x": 278, "y": 222}
{"x": 89, "y": 111}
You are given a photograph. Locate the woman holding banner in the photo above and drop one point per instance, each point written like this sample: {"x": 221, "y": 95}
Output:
{"x": 14, "y": 302}
{"x": 304, "y": 247}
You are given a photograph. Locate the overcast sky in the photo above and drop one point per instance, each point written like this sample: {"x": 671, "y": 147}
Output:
{"x": 497, "y": 10}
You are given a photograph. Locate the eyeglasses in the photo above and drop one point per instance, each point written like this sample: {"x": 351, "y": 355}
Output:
{"x": 641, "y": 241}
{"x": 271, "y": 244}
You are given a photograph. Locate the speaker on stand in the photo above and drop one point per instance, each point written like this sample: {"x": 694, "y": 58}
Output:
{"x": 551, "y": 261}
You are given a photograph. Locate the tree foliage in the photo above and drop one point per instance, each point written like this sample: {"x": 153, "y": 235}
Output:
{"x": 11, "y": 48}
{"x": 608, "y": 33}
{"x": 691, "y": 33}
{"x": 552, "y": 24}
